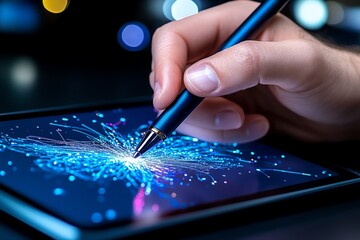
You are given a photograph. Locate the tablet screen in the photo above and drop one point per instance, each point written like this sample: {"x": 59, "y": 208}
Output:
{"x": 78, "y": 167}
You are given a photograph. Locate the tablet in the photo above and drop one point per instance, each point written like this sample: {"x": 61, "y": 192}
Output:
{"x": 69, "y": 173}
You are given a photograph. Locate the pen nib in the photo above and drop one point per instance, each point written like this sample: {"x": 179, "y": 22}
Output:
{"x": 136, "y": 154}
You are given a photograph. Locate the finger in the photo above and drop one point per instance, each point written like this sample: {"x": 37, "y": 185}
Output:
{"x": 251, "y": 63}
{"x": 177, "y": 43}
{"x": 254, "y": 127}
{"x": 217, "y": 113}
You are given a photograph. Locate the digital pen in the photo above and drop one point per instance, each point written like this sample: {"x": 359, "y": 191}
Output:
{"x": 186, "y": 102}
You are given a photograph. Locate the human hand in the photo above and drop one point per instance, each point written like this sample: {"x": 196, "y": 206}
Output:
{"x": 284, "y": 80}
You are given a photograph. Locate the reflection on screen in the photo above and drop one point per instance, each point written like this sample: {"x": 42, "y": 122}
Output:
{"x": 79, "y": 166}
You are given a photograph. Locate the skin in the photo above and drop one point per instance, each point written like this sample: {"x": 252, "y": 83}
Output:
{"x": 283, "y": 81}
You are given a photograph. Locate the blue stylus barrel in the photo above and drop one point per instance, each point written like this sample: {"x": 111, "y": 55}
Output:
{"x": 176, "y": 113}
{"x": 254, "y": 23}
{"x": 186, "y": 102}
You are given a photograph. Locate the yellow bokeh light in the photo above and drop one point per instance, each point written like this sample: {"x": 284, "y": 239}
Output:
{"x": 55, "y": 6}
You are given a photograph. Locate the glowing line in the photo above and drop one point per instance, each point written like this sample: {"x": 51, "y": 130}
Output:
{"x": 283, "y": 171}
{"x": 58, "y": 131}
{"x": 107, "y": 155}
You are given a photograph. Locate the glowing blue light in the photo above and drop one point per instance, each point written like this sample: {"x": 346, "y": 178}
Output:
{"x": 352, "y": 19}
{"x": 58, "y": 191}
{"x": 133, "y": 36}
{"x": 110, "y": 214}
{"x": 96, "y": 217}
{"x": 101, "y": 191}
{"x": 18, "y": 17}
{"x": 311, "y": 14}
{"x": 101, "y": 153}
{"x": 167, "y": 9}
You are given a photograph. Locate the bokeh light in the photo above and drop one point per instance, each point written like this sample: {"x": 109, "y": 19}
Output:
{"x": 23, "y": 74}
{"x": 178, "y": 9}
{"x": 18, "y": 17}
{"x": 56, "y": 6}
{"x": 183, "y": 8}
{"x": 133, "y": 36}
{"x": 167, "y": 9}
{"x": 336, "y": 12}
{"x": 352, "y": 19}
{"x": 311, "y": 14}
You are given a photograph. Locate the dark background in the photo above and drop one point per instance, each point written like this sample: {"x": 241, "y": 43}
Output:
{"x": 74, "y": 56}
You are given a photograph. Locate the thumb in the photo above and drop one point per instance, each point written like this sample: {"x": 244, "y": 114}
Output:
{"x": 286, "y": 64}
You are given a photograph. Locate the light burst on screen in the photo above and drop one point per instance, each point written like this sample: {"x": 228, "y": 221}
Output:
{"x": 97, "y": 148}
{"x": 107, "y": 155}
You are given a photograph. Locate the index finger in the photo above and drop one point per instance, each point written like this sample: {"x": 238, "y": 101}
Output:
{"x": 180, "y": 43}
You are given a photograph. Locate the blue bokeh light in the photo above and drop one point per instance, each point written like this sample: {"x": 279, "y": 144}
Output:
{"x": 133, "y": 36}
{"x": 18, "y": 17}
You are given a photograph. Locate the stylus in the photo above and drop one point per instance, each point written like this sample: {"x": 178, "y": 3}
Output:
{"x": 186, "y": 102}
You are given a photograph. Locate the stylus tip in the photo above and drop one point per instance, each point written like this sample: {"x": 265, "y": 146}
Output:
{"x": 136, "y": 154}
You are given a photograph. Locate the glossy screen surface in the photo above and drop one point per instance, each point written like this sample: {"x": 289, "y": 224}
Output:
{"x": 78, "y": 166}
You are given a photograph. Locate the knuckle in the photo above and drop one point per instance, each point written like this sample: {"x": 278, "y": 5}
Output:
{"x": 312, "y": 53}
{"x": 243, "y": 53}
{"x": 248, "y": 59}
{"x": 247, "y": 55}
{"x": 314, "y": 58}
{"x": 161, "y": 33}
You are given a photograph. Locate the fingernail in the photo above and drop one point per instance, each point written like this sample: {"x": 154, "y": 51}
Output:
{"x": 257, "y": 129}
{"x": 227, "y": 120}
{"x": 157, "y": 90}
{"x": 203, "y": 78}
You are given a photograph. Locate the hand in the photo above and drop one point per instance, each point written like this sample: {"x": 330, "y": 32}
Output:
{"x": 285, "y": 80}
